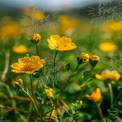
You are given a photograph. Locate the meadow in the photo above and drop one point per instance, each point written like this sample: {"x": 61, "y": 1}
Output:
{"x": 59, "y": 67}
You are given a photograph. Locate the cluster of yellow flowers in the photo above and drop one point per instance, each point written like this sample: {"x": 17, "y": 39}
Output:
{"x": 84, "y": 57}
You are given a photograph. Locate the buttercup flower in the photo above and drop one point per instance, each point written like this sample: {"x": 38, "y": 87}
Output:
{"x": 108, "y": 75}
{"x": 20, "y": 49}
{"x": 107, "y": 46}
{"x": 49, "y": 92}
{"x": 94, "y": 60}
{"x": 83, "y": 57}
{"x": 95, "y": 96}
{"x": 35, "y": 38}
{"x": 67, "y": 24}
{"x": 60, "y": 43}
{"x": 27, "y": 65}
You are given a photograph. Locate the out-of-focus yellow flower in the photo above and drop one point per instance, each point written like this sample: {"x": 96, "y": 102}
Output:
{"x": 35, "y": 38}
{"x": 67, "y": 24}
{"x": 112, "y": 26}
{"x": 108, "y": 75}
{"x": 27, "y": 65}
{"x": 38, "y": 15}
{"x": 60, "y": 43}
{"x": 35, "y": 13}
{"x": 9, "y": 30}
{"x": 49, "y": 92}
{"x": 107, "y": 46}
{"x": 95, "y": 96}
{"x": 83, "y": 57}
{"x": 94, "y": 60}
{"x": 20, "y": 49}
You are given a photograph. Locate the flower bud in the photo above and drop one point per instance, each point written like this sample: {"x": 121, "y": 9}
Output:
{"x": 82, "y": 58}
{"x": 17, "y": 83}
{"x": 36, "y": 38}
{"x": 94, "y": 60}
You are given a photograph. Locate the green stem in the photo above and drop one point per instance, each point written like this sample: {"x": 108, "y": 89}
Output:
{"x": 37, "y": 50}
{"x": 31, "y": 86}
{"x": 69, "y": 78}
{"x": 119, "y": 95}
{"x": 32, "y": 100}
{"x": 111, "y": 92}
{"x": 100, "y": 112}
{"x": 55, "y": 64}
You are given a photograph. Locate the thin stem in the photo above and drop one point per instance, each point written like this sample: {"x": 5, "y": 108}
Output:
{"x": 37, "y": 49}
{"x": 31, "y": 86}
{"x": 111, "y": 92}
{"x": 120, "y": 93}
{"x": 69, "y": 78}
{"x": 32, "y": 100}
{"x": 6, "y": 65}
{"x": 55, "y": 64}
{"x": 100, "y": 112}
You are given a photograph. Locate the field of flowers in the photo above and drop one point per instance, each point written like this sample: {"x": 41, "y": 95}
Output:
{"x": 59, "y": 67}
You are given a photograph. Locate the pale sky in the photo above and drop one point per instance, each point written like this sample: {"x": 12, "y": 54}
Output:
{"x": 48, "y": 4}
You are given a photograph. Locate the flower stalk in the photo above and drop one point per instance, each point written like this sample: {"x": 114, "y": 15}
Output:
{"x": 111, "y": 92}
{"x": 100, "y": 112}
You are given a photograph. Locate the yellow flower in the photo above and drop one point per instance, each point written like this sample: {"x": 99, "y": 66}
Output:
{"x": 36, "y": 38}
{"x": 112, "y": 26}
{"x": 60, "y": 43}
{"x": 94, "y": 60}
{"x": 27, "y": 65}
{"x": 67, "y": 24}
{"x": 107, "y": 46}
{"x": 38, "y": 15}
{"x": 9, "y": 30}
{"x": 108, "y": 75}
{"x": 83, "y": 57}
{"x": 35, "y": 13}
{"x": 95, "y": 96}
{"x": 20, "y": 49}
{"x": 49, "y": 92}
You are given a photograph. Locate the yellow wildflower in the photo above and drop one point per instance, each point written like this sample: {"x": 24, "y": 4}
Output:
{"x": 27, "y": 65}
{"x": 9, "y": 30}
{"x": 67, "y": 24}
{"x": 94, "y": 60}
{"x": 112, "y": 26}
{"x": 108, "y": 75}
{"x": 35, "y": 13}
{"x": 38, "y": 15}
{"x": 35, "y": 38}
{"x": 49, "y": 92}
{"x": 20, "y": 49}
{"x": 95, "y": 96}
{"x": 83, "y": 57}
{"x": 107, "y": 46}
{"x": 60, "y": 43}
